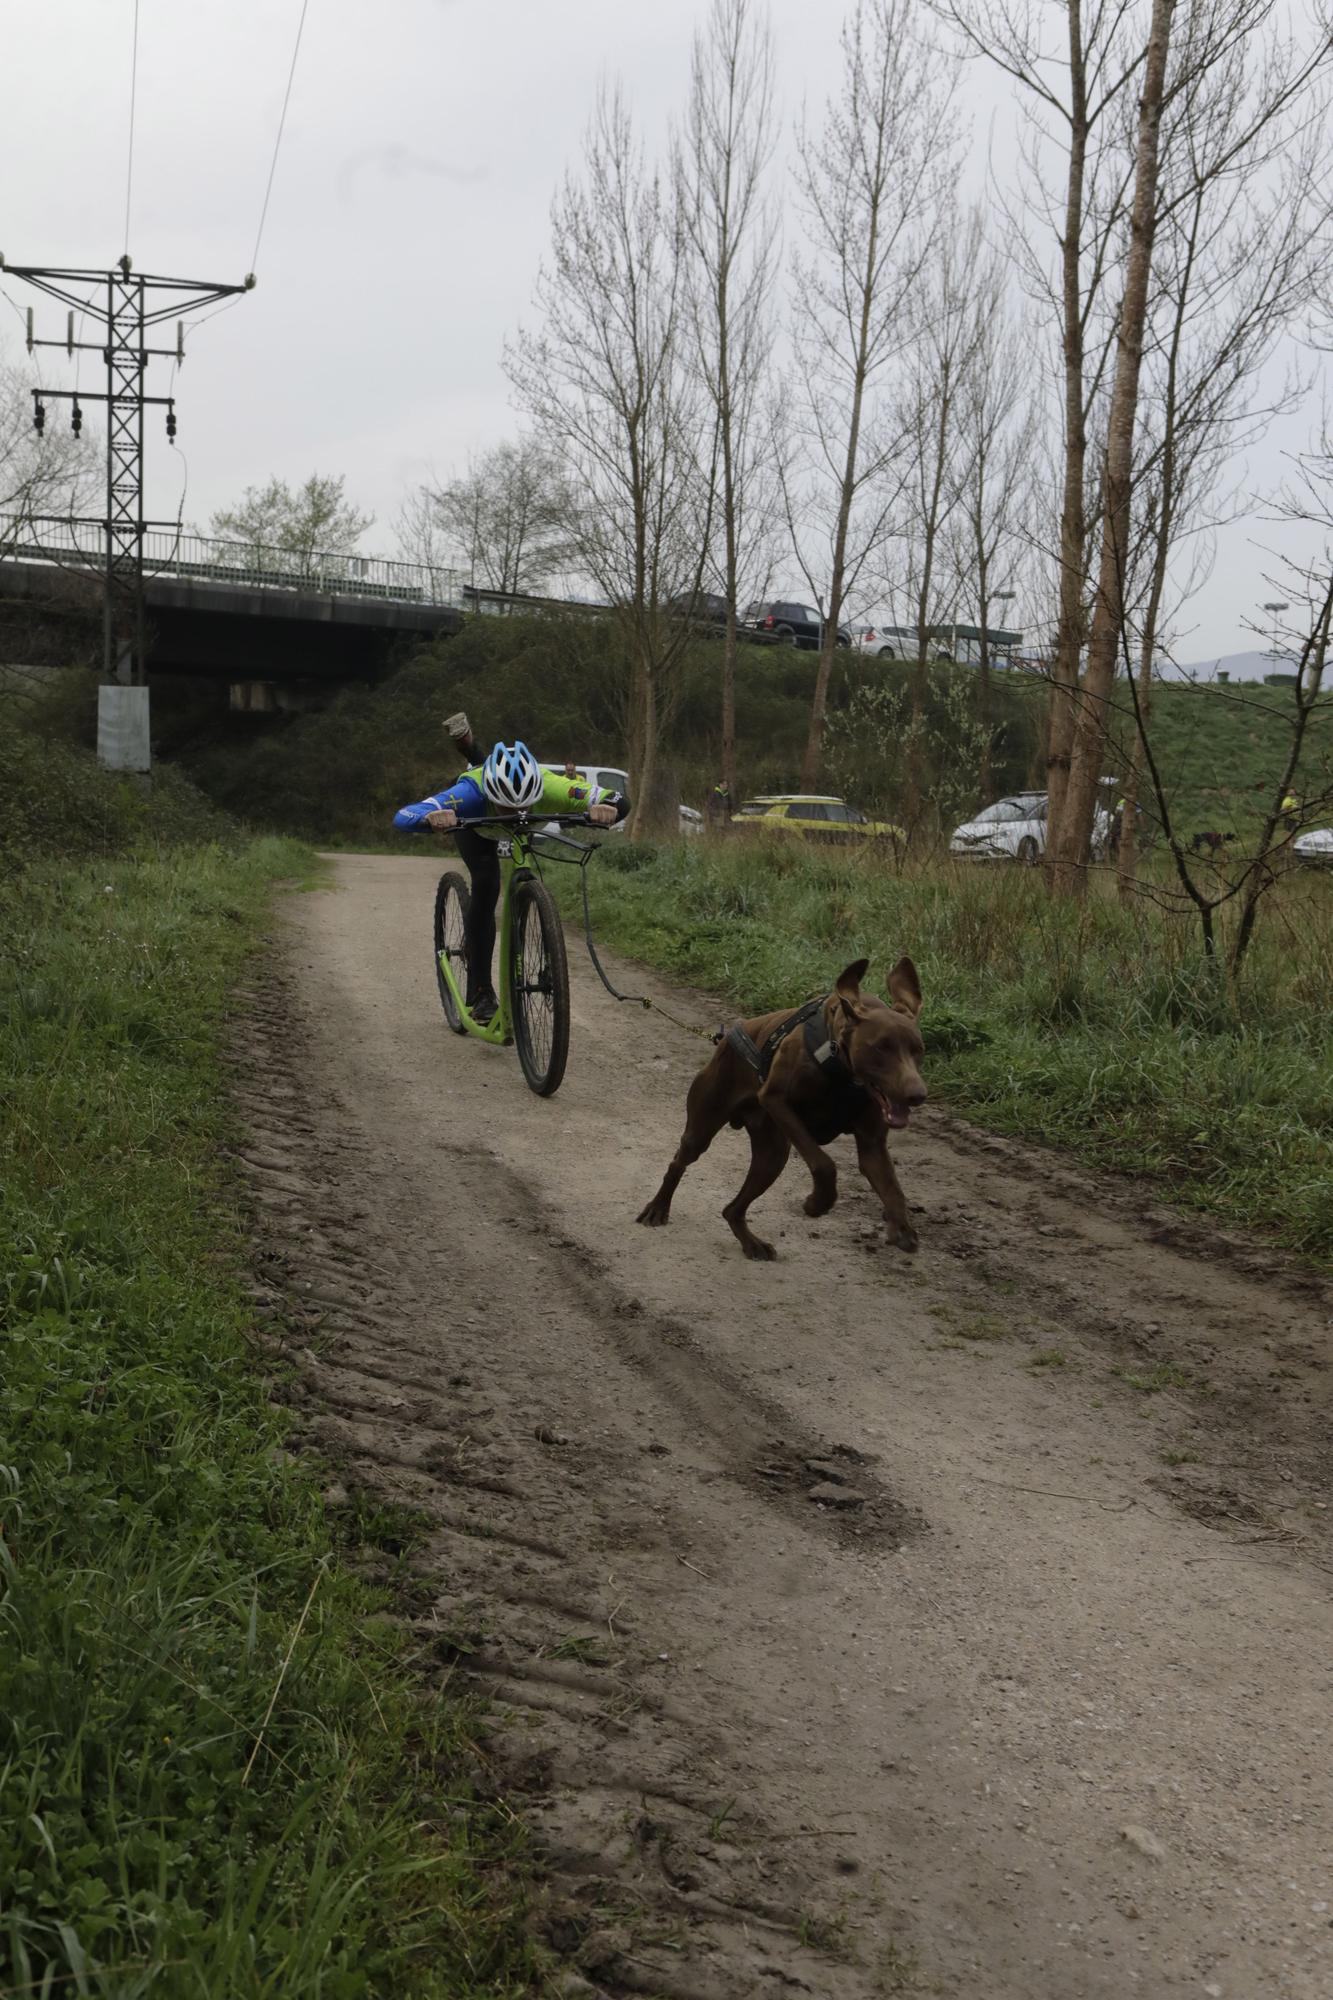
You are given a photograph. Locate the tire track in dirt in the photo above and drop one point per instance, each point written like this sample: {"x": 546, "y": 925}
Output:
{"x": 769, "y": 1745}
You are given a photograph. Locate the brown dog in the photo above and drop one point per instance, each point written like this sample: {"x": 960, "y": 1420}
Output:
{"x": 846, "y": 1064}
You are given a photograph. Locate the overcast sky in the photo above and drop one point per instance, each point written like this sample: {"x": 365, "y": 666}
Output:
{"x": 409, "y": 214}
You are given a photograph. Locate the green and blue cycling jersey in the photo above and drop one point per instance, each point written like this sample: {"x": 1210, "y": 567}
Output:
{"x": 560, "y": 796}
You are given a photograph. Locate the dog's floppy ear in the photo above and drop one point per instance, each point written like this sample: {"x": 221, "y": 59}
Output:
{"x": 905, "y": 987}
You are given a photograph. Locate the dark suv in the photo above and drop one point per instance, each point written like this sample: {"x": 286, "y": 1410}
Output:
{"x": 705, "y": 607}
{"x": 791, "y": 625}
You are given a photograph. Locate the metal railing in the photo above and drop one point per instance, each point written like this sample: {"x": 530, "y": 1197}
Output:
{"x": 245, "y": 565}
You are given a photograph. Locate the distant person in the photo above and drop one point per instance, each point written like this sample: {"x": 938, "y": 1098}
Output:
{"x": 1291, "y": 812}
{"x": 717, "y": 806}
{"x": 510, "y": 781}
{"x": 1117, "y": 832}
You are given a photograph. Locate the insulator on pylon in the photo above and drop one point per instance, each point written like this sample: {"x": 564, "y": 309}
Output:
{"x": 30, "y": 329}
{"x": 76, "y": 419}
{"x": 180, "y": 340}
{"x": 69, "y": 336}
{"x": 38, "y": 415}
{"x": 171, "y": 420}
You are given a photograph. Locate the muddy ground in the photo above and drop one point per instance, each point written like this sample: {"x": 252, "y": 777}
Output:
{"x": 854, "y": 1624}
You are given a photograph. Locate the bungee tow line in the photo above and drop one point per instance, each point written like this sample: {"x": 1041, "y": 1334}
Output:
{"x": 633, "y": 999}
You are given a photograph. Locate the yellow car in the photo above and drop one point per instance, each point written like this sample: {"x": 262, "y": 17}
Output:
{"x": 814, "y": 816}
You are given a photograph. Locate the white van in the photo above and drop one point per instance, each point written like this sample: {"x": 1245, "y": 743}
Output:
{"x": 608, "y": 778}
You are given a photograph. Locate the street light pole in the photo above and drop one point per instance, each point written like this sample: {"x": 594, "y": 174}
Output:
{"x": 1275, "y": 609}
{"x": 1000, "y": 597}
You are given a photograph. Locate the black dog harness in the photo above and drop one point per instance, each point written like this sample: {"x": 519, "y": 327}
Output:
{"x": 819, "y": 1043}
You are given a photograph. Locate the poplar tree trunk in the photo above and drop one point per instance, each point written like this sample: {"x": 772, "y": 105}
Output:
{"x": 1073, "y": 834}
{"x": 813, "y": 765}
{"x": 1073, "y": 520}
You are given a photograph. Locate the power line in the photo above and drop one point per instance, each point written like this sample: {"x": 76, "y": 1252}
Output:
{"x": 277, "y": 144}
{"x": 134, "y": 92}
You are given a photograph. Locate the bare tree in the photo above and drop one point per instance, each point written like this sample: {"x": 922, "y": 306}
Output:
{"x": 996, "y": 419}
{"x": 605, "y": 384}
{"x": 956, "y": 295}
{"x": 421, "y": 535}
{"x": 1069, "y": 836}
{"x": 871, "y": 182}
{"x": 507, "y": 520}
{"x": 1258, "y": 869}
{"x": 1239, "y": 262}
{"x": 52, "y": 474}
{"x": 1074, "y": 66}
{"x": 719, "y": 165}
{"x": 1210, "y": 35}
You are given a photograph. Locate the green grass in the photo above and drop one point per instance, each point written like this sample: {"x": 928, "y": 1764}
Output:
{"x": 1090, "y": 1027}
{"x": 1220, "y": 750}
{"x": 217, "y": 1776}
{"x": 56, "y": 800}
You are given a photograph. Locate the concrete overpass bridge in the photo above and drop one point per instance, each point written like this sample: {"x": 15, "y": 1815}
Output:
{"x": 264, "y": 620}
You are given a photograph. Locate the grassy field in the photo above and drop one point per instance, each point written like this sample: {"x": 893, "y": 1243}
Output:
{"x": 1093, "y": 1028}
{"x": 216, "y": 1775}
{"x": 1220, "y": 749}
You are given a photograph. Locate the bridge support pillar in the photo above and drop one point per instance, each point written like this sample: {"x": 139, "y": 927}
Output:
{"x": 122, "y": 729}
{"x": 252, "y": 698}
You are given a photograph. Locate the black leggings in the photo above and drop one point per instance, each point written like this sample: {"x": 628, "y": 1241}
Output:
{"x": 483, "y": 865}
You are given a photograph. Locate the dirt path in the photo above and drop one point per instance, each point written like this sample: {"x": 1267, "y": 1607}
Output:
{"x": 1044, "y": 1713}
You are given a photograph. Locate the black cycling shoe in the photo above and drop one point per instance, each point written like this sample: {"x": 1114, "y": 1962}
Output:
{"x": 484, "y": 1009}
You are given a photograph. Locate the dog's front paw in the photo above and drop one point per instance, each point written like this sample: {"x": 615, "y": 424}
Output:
{"x": 755, "y": 1246}
{"x": 656, "y": 1215}
{"x": 902, "y": 1236}
{"x": 822, "y": 1195}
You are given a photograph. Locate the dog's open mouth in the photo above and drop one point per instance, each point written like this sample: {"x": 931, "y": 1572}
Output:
{"x": 896, "y": 1113}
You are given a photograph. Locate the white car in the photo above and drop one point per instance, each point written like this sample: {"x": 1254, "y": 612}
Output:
{"x": 608, "y": 778}
{"x": 1315, "y": 848}
{"x": 886, "y": 642}
{"x": 1014, "y": 829}
{"x": 894, "y": 642}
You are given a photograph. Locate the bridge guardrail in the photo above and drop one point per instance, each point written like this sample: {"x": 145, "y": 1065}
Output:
{"x": 208, "y": 559}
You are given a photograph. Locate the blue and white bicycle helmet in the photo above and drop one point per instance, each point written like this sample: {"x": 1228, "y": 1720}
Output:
{"x": 512, "y": 777}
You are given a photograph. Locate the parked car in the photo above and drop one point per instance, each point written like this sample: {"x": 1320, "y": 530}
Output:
{"x": 1314, "y": 849}
{"x": 869, "y": 639}
{"x": 705, "y": 607}
{"x": 610, "y": 778}
{"x": 1014, "y": 829}
{"x": 813, "y": 817}
{"x": 887, "y": 642}
{"x": 791, "y": 624}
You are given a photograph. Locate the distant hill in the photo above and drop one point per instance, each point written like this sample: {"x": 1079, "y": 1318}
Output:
{"x": 1236, "y": 667}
